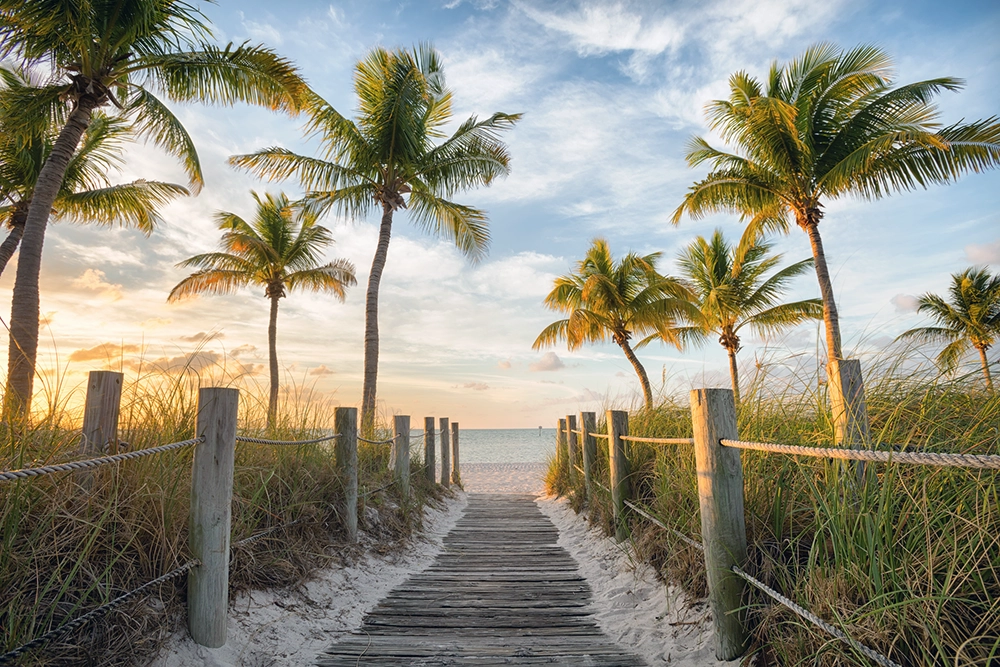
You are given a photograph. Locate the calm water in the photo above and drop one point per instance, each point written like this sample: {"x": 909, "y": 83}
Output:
{"x": 504, "y": 445}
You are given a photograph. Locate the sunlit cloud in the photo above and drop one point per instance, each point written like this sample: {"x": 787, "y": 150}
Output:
{"x": 94, "y": 279}
{"x": 983, "y": 253}
{"x": 550, "y": 361}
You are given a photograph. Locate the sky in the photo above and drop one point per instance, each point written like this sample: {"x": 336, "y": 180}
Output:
{"x": 610, "y": 92}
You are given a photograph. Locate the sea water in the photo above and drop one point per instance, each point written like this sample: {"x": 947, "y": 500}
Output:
{"x": 501, "y": 445}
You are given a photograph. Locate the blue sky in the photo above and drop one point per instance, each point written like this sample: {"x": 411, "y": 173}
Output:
{"x": 610, "y": 92}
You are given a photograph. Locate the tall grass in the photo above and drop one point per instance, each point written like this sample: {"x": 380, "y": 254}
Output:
{"x": 67, "y": 549}
{"x": 907, "y": 562}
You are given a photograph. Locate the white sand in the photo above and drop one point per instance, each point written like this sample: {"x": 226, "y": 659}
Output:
{"x": 290, "y": 628}
{"x": 286, "y": 628}
{"x": 633, "y": 608}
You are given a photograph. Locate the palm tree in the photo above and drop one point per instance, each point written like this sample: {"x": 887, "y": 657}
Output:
{"x": 116, "y": 53}
{"x": 280, "y": 250}
{"x": 613, "y": 300}
{"x": 389, "y": 151}
{"x": 86, "y": 194}
{"x": 823, "y": 126}
{"x": 970, "y": 317}
{"x": 732, "y": 291}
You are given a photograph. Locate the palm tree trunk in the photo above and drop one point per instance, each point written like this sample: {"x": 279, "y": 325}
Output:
{"x": 647, "y": 392}
{"x": 830, "y": 317}
{"x": 371, "y": 320}
{"x": 272, "y": 351}
{"x": 986, "y": 368}
{"x": 24, "y": 309}
{"x": 734, "y": 375}
{"x": 9, "y": 245}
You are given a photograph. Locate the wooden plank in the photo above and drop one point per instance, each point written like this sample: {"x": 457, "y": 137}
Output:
{"x": 502, "y": 591}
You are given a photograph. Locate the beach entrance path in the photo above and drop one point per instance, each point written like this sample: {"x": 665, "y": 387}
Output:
{"x": 501, "y": 592}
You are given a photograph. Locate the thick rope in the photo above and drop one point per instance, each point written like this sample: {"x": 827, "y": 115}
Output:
{"x": 660, "y": 441}
{"x": 93, "y": 463}
{"x": 817, "y": 621}
{"x": 377, "y": 442}
{"x": 599, "y": 435}
{"x": 639, "y": 510}
{"x": 264, "y": 533}
{"x": 262, "y": 441}
{"x": 94, "y": 613}
{"x": 990, "y": 461}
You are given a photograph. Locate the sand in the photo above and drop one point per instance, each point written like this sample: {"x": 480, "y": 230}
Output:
{"x": 286, "y": 628}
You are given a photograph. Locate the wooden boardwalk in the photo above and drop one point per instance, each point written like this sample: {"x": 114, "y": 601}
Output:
{"x": 502, "y": 592}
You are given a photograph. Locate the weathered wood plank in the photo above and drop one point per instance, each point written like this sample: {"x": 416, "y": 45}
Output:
{"x": 501, "y": 592}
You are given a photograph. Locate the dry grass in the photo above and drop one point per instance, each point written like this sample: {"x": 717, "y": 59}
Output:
{"x": 68, "y": 549}
{"x": 909, "y": 563}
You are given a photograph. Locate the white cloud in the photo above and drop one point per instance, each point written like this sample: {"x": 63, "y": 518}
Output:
{"x": 94, "y": 279}
{"x": 504, "y": 364}
{"x": 550, "y": 361}
{"x": 905, "y": 303}
{"x": 598, "y": 29}
{"x": 983, "y": 253}
{"x": 263, "y": 32}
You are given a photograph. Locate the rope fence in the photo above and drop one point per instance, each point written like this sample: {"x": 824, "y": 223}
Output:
{"x": 659, "y": 441}
{"x": 684, "y": 538}
{"x": 816, "y": 620}
{"x": 80, "y": 621}
{"x": 989, "y": 461}
{"x": 264, "y": 533}
{"x": 292, "y": 443}
{"x": 94, "y": 463}
{"x": 376, "y": 442}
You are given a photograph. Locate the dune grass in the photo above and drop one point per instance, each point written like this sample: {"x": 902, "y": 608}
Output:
{"x": 67, "y": 548}
{"x": 907, "y": 562}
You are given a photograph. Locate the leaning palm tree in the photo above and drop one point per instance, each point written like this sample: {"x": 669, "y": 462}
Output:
{"x": 823, "y": 126}
{"x": 86, "y": 194}
{"x": 733, "y": 291}
{"x": 970, "y": 317}
{"x": 613, "y": 300}
{"x": 105, "y": 53}
{"x": 389, "y": 151}
{"x": 280, "y": 250}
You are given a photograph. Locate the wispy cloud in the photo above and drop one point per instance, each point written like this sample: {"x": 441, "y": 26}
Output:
{"x": 550, "y": 361}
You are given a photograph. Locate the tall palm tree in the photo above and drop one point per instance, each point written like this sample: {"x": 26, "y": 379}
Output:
{"x": 86, "y": 194}
{"x": 280, "y": 250}
{"x": 825, "y": 125}
{"x": 116, "y": 52}
{"x": 613, "y": 300}
{"x": 390, "y": 150}
{"x": 733, "y": 291}
{"x": 969, "y": 317}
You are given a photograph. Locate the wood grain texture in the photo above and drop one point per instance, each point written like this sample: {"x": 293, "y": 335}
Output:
{"x": 346, "y": 424}
{"x": 445, "y": 453}
{"x": 502, "y": 592}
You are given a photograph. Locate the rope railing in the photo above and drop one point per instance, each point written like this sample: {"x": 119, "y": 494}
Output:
{"x": 988, "y": 461}
{"x": 605, "y": 436}
{"x": 264, "y": 533}
{"x": 642, "y": 512}
{"x": 804, "y": 613}
{"x": 377, "y": 442}
{"x": 659, "y": 441}
{"x": 79, "y": 621}
{"x": 292, "y": 443}
{"x": 70, "y": 466}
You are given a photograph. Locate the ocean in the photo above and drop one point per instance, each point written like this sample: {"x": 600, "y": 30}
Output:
{"x": 502, "y": 445}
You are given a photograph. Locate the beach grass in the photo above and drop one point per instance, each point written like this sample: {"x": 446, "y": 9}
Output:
{"x": 906, "y": 561}
{"x": 72, "y": 543}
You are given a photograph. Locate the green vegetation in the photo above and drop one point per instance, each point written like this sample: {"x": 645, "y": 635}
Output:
{"x": 732, "y": 291}
{"x": 280, "y": 250}
{"x": 909, "y": 565}
{"x": 110, "y": 53}
{"x": 971, "y": 318}
{"x": 65, "y": 552}
{"x": 613, "y": 300}
{"x": 389, "y": 151}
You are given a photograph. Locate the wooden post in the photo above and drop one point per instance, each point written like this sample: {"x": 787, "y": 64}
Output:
{"x": 429, "y": 448}
{"x": 445, "y": 453}
{"x": 561, "y": 440}
{"x": 620, "y": 485}
{"x": 456, "y": 474}
{"x": 588, "y": 424}
{"x": 723, "y": 531}
{"x": 345, "y": 422}
{"x": 211, "y": 506}
{"x": 571, "y": 445}
{"x": 401, "y": 452}
{"x": 849, "y": 408}
{"x": 100, "y": 416}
